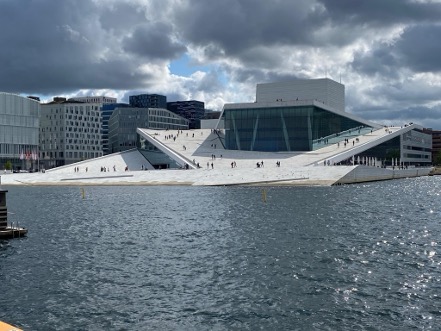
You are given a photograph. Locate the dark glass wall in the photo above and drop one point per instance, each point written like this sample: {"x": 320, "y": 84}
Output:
{"x": 282, "y": 128}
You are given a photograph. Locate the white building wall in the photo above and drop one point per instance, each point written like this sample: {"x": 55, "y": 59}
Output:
{"x": 95, "y": 99}
{"x": 323, "y": 90}
{"x": 70, "y": 132}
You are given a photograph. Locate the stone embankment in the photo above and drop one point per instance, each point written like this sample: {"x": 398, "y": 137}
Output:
{"x": 435, "y": 171}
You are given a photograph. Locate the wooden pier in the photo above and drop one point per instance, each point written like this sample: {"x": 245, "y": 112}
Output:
{"x": 8, "y": 231}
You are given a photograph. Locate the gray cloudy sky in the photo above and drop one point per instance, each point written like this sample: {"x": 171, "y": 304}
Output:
{"x": 386, "y": 52}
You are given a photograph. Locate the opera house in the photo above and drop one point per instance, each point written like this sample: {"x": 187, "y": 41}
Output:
{"x": 294, "y": 133}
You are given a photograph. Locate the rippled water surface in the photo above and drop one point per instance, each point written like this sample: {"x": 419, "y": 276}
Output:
{"x": 359, "y": 257}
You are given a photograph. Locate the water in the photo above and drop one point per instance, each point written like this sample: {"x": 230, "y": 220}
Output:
{"x": 359, "y": 257}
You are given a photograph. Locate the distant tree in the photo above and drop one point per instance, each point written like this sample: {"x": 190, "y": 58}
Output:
{"x": 8, "y": 165}
{"x": 438, "y": 158}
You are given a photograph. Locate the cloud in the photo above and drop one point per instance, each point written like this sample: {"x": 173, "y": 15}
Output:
{"x": 386, "y": 53}
{"x": 154, "y": 41}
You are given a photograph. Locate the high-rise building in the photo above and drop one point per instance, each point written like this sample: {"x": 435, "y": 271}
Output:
{"x": 106, "y": 113}
{"x": 19, "y": 126}
{"x": 148, "y": 101}
{"x": 192, "y": 110}
{"x": 106, "y": 109}
{"x": 70, "y": 131}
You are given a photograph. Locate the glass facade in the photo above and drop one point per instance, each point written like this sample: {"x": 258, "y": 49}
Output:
{"x": 19, "y": 128}
{"x": 106, "y": 113}
{"x": 124, "y": 121}
{"x": 410, "y": 148}
{"x": 156, "y": 158}
{"x": 192, "y": 110}
{"x": 148, "y": 101}
{"x": 290, "y": 128}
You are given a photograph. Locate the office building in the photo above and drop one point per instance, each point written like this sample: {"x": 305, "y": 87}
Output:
{"x": 19, "y": 127}
{"x": 70, "y": 131}
{"x": 192, "y": 110}
{"x": 124, "y": 121}
{"x": 106, "y": 113}
{"x": 103, "y": 100}
{"x": 148, "y": 101}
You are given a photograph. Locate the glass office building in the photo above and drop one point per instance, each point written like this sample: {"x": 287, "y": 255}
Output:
{"x": 19, "y": 128}
{"x": 124, "y": 121}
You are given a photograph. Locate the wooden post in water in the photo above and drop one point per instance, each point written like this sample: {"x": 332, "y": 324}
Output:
{"x": 3, "y": 210}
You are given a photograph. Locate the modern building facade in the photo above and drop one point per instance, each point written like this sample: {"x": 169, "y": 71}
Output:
{"x": 280, "y": 122}
{"x": 106, "y": 113}
{"x": 286, "y": 126}
{"x": 148, "y": 101}
{"x": 436, "y": 145}
{"x": 70, "y": 131}
{"x": 192, "y": 110}
{"x": 19, "y": 127}
{"x": 95, "y": 99}
{"x": 413, "y": 147}
{"x": 106, "y": 110}
{"x": 324, "y": 90}
{"x": 124, "y": 121}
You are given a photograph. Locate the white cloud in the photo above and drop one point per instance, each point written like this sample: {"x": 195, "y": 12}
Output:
{"x": 388, "y": 59}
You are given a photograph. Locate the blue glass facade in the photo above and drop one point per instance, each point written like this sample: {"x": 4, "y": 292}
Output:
{"x": 106, "y": 113}
{"x": 284, "y": 128}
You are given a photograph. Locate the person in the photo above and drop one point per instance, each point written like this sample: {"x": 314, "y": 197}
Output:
{"x": 212, "y": 165}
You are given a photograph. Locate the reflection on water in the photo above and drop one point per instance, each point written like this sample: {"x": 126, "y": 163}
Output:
{"x": 348, "y": 257}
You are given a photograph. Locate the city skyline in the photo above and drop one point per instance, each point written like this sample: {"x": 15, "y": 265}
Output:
{"x": 385, "y": 53}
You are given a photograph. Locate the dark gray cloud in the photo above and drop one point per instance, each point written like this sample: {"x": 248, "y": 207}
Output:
{"x": 420, "y": 49}
{"x": 381, "y": 61}
{"x": 417, "y": 49}
{"x": 388, "y": 51}
{"x": 61, "y": 46}
{"x": 153, "y": 41}
{"x": 380, "y": 12}
{"x": 236, "y": 25}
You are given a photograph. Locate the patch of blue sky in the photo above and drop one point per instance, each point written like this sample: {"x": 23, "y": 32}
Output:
{"x": 184, "y": 66}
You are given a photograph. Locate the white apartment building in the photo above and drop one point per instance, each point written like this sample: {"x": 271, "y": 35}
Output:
{"x": 95, "y": 99}
{"x": 70, "y": 131}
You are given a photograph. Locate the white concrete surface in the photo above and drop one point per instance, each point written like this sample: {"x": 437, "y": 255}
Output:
{"x": 205, "y": 148}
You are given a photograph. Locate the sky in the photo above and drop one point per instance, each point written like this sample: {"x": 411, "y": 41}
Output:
{"x": 387, "y": 53}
